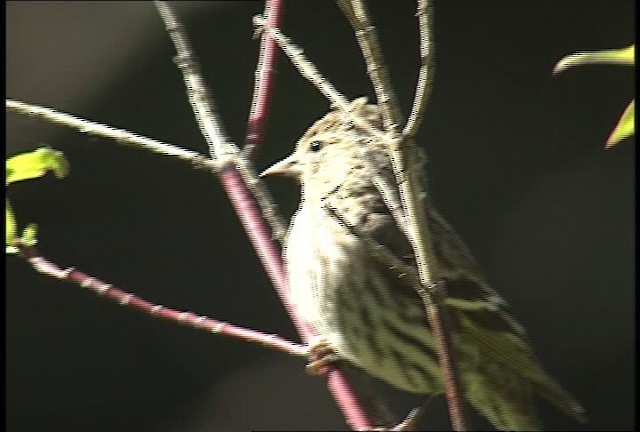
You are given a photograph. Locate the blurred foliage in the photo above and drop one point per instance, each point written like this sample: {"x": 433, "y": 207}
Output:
{"x": 26, "y": 166}
{"x": 624, "y": 56}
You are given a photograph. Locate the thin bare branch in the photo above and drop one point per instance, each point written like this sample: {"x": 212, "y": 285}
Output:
{"x": 304, "y": 66}
{"x": 404, "y": 157}
{"x": 112, "y": 292}
{"x": 425, "y": 76}
{"x": 198, "y": 161}
{"x": 228, "y": 154}
{"x": 409, "y": 199}
{"x": 249, "y": 215}
{"x": 264, "y": 81}
{"x": 197, "y": 91}
{"x": 119, "y": 135}
{"x": 368, "y": 41}
{"x": 308, "y": 70}
{"x": 401, "y": 271}
{"x": 261, "y": 194}
{"x": 262, "y": 90}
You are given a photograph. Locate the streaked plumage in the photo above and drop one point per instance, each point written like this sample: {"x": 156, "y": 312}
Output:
{"x": 372, "y": 317}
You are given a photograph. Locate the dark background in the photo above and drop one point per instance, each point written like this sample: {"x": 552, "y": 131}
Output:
{"x": 516, "y": 161}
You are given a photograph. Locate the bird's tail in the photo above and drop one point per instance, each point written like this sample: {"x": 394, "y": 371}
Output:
{"x": 502, "y": 378}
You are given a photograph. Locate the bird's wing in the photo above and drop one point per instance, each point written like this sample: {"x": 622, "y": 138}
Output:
{"x": 488, "y": 324}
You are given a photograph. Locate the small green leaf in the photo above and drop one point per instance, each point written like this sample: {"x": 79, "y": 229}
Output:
{"x": 623, "y": 56}
{"x": 35, "y": 164}
{"x": 29, "y": 235}
{"x": 625, "y": 127}
{"x": 10, "y": 225}
{"x": 27, "y": 166}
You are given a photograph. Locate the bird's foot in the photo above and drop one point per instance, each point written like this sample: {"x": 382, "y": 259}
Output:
{"x": 321, "y": 355}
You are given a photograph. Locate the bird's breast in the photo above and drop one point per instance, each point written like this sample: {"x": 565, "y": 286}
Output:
{"x": 319, "y": 254}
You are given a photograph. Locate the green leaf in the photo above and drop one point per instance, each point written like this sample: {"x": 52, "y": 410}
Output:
{"x": 625, "y": 127}
{"x": 27, "y": 166}
{"x": 29, "y": 235}
{"x": 623, "y": 56}
{"x": 35, "y": 164}
{"x": 10, "y": 225}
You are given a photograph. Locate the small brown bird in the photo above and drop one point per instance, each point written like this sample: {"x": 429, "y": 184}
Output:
{"x": 368, "y": 313}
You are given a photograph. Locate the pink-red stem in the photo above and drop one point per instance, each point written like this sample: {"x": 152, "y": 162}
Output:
{"x": 263, "y": 86}
{"x": 112, "y": 292}
{"x": 257, "y": 229}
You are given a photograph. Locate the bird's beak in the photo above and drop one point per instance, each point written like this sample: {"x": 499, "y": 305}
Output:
{"x": 286, "y": 167}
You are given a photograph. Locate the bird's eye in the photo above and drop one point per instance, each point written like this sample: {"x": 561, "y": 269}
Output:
{"x": 315, "y": 146}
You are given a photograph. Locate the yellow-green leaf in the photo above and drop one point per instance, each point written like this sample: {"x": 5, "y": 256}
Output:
{"x": 10, "y": 226}
{"x": 27, "y": 166}
{"x": 35, "y": 164}
{"x": 625, "y": 126}
{"x": 623, "y": 56}
{"x": 29, "y": 235}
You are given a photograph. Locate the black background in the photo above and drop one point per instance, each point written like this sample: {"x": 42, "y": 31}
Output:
{"x": 516, "y": 161}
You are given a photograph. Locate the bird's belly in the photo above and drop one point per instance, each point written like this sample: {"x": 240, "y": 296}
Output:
{"x": 350, "y": 301}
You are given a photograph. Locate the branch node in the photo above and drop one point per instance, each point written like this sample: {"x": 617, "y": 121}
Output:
{"x": 126, "y": 299}
{"x": 87, "y": 283}
{"x": 155, "y": 309}
{"x": 218, "y": 327}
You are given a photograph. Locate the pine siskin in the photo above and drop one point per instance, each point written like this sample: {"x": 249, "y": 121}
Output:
{"x": 373, "y": 318}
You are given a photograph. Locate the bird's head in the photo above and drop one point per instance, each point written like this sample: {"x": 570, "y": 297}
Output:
{"x": 327, "y": 155}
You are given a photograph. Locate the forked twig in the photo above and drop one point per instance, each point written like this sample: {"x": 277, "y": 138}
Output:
{"x": 405, "y": 156}
{"x": 260, "y": 193}
{"x": 238, "y": 177}
{"x": 262, "y": 90}
{"x": 408, "y": 186}
{"x": 245, "y": 207}
{"x": 410, "y": 193}
{"x": 305, "y": 67}
{"x": 356, "y": 13}
{"x": 225, "y": 151}
{"x": 242, "y": 186}
{"x": 425, "y": 75}
{"x": 119, "y": 135}
{"x": 198, "y": 94}
{"x": 264, "y": 81}
{"x": 222, "y": 149}
{"x": 197, "y": 160}
{"x": 308, "y": 70}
